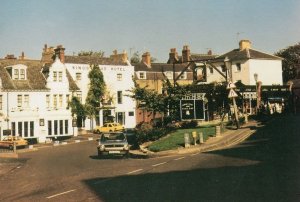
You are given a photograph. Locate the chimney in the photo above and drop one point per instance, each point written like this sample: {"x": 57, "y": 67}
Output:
{"x": 186, "y": 53}
{"x": 117, "y": 57}
{"x": 244, "y": 44}
{"x": 22, "y": 56}
{"x": 173, "y": 56}
{"x": 146, "y": 59}
{"x": 60, "y": 52}
{"x": 209, "y": 52}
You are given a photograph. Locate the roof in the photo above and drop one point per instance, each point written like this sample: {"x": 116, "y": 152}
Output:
{"x": 159, "y": 67}
{"x": 93, "y": 60}
{"x": 246, "y": 54}
{"x": 35, "y": 78}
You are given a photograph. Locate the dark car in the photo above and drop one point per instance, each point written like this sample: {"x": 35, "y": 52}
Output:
{"x": 113, "y": 143}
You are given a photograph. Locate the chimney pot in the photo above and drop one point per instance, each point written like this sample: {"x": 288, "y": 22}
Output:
{"x": 186, "y": 53}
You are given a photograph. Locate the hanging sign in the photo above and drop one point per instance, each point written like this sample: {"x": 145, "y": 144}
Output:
{"x": 232, "y": 94}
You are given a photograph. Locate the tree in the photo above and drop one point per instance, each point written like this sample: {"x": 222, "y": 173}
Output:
{"x": 77, "y": 110}
{"x": 95, "y": 93}
{"x": 290, "y": 63}
{"x": 91, "y": 53}
{"x": 135, "y": 58}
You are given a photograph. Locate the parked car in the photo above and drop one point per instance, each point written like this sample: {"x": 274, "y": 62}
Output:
{"x": 109, "y": 127}
{"x": 9, "y": 141}
{"x": 113, "y": 143}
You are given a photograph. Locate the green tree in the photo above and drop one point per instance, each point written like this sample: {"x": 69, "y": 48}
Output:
{"x": 77, "y": 110}
{"x": 291, "y": 61}
{"x": 135, "y": 58}
{"x": 95, "y": 93}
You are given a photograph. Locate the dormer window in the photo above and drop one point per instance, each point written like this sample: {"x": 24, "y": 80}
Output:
{"x": 17, "y": 72}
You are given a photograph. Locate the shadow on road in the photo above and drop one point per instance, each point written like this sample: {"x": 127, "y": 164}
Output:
{"x": 274, "y": 176}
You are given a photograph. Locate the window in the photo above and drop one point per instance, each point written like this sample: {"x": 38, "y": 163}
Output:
{"x": 61, "y": 127}
{"x": 55, "y": 127}
{"x": 16, "y": 74}
{"x": 183, "y": 76}
{"x": 130, "y": 113}
{"x": 26, "y": 100}
{"x": 78, "y": 76}
{"x": 20, "y": 128}
{"x": 31, "y": 128}
{"x": 60, "y": 76}
{"x": 142, "y": 75}
{"x": 49, "y": 127}
{"x": 22, "y": 74}
{"x": 66, "y": 126}
{"x": 13, "y": 128}
{"x": 19, "y": 100}
{"x": 60, "y": 100}
{"x": 211, "y": 70}
{"x": 26, "y": 129}
{"x": 223, "y": 68}
{"x": 238, "y": 67}
{"x": 48, "y": 101}
{"x": 1, "y": 102}
{"x": 67, "y": 101}
{"x": 54, "y": 76}
{"x": 119, "y": 94}
{"x": 55, "y": 101}
{"x": 119, "y": 77}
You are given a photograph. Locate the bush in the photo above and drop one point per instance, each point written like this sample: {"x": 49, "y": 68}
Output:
{"x": 189, "y": 124}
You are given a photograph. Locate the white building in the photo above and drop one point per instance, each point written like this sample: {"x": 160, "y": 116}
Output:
{"x": 34, "y": 99}
{"x": 118, "y": 74}
{"x": 245, "y": 62}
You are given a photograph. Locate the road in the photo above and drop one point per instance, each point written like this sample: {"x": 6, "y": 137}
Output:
{"x": 265, "y": 167}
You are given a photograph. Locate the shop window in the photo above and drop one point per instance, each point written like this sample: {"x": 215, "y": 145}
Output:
{"x": 49, "y": 127}
{"x": 61, "y": 127}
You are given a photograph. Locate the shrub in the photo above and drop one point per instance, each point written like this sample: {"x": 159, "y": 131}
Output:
{"x": 189, "y": 124}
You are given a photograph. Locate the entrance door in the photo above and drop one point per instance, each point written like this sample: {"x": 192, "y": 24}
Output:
{"x": 120, "y": 117}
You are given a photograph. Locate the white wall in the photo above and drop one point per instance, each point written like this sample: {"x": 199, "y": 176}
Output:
{"x": 269, "y": 71}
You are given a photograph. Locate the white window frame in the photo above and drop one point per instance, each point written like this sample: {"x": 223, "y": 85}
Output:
{"x": 169, "y": 75}
{"x": 1, "y": 102}
{"x": 142, "y": 75}
{"x": 119, "y": 77}
{"x": 19, "y": 100}
{"x": 26, "y": 100}
{"x": 60, "y": 76}
{"x": 78, "y": 76}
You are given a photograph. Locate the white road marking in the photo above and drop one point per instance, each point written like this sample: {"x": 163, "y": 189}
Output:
{"x": 135, "y": 171}
{"x": 179, "y": 158}
{"x": 60, "y": 193}
{"x": 194, "y": 154}
{"x": 159, "y": 164}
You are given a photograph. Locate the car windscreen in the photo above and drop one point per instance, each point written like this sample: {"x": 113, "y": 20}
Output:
{"x": 113, "y": 137}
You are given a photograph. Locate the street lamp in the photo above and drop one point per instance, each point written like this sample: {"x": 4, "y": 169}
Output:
{"x": 256, "y": 90}
{"x": 228, "y": 68}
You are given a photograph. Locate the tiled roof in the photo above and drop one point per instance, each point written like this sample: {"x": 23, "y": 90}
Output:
{"x": 35, "y": 78}
{"x": 195, "y": 57}
{"x": 246, "y": 54}
{"x": 93, "y": 60}
{"x": 159, "y": 67}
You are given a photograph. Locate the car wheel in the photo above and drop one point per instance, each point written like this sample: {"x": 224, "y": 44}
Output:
{"x": 126, "y": 155}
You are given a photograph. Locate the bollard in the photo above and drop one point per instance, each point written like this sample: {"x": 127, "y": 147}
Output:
{"x": 246, "y": 118}
{"x": 186, "y": 140}
{"x": 194, "y": 134}
{"x": 201, "y": 141}
{"x": 218, "y": 131}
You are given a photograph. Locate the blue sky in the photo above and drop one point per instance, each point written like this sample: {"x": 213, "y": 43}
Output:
{"x": 146, "y": 25}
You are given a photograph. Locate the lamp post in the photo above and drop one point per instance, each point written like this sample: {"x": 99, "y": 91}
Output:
{"x": 256, "y": 90}
{"x": 228, "y": 68}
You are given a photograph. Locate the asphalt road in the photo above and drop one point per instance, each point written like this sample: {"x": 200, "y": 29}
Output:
{"x": 266, "y": 167}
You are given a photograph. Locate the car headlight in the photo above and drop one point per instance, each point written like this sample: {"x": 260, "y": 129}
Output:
{"x": 102, "y": 147}
{"x": 126, "y": 147}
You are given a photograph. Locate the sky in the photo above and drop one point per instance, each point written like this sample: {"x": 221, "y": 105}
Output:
{"x": 155, "y": 26}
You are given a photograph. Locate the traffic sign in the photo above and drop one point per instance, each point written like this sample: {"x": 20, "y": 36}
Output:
{"x": 230, "y": 85}
{"x": 232, "y": 94}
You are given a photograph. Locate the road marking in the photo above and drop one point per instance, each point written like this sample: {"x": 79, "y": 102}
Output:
{"x": 159, "y": 164}
{"x": 135, "y": 171}
{"x": 179, "y": 158}
{"x": 194, "y": 154}
{"x": 60, "y": 194}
